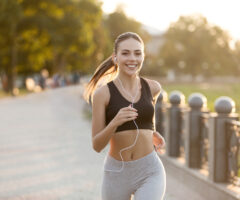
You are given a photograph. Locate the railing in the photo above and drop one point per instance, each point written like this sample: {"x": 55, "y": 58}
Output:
{"x": 210, "y": 141}
{"x": 233, "y": 149}
{"x": 181, "y": 131}
{"x": 204, "y": 141}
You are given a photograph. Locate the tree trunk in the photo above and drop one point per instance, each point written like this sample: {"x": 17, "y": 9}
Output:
{"x": 11, "y": 71}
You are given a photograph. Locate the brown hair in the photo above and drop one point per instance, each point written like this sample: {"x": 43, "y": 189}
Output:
{"x": 107, "y": 67}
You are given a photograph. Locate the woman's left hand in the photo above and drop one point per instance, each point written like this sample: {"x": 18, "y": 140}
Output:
{"x": 158, "y": 141}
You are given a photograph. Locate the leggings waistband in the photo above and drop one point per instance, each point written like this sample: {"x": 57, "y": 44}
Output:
{"x": 145, "y": 159}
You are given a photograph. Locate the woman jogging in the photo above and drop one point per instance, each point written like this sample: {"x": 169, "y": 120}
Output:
{"x": 123, "y": 115}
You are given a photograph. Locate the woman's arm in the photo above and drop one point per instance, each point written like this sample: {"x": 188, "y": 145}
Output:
{"x": 158, "y": 140}
{"x": 155, "y": 87}
{"x": 101, "y": 134}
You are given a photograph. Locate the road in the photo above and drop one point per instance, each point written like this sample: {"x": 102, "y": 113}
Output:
{"x": 46, "y": 152}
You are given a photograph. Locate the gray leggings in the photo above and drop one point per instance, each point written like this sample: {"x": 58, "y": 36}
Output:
{"x": 145, "y": 178}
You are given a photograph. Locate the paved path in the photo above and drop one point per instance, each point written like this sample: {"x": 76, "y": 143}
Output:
{"x": 45, "y": 150}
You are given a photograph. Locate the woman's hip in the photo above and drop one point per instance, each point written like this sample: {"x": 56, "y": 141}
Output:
{"x": 149, "y": 163}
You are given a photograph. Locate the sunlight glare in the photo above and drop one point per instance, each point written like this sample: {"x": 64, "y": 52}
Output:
{"x": 159, "y": 14}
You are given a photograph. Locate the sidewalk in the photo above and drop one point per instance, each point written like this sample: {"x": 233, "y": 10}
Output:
{"x": 46, "y": 151}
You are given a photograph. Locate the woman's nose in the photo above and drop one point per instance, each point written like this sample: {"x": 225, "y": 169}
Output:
{"x": 132, "y": 57}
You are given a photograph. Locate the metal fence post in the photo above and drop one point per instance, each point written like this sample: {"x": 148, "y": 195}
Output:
{"x": 198, "y": 104}
{"x": 225, "y": 108}
{"x": 173, "y": 124}
{"x": 160, "y": 112}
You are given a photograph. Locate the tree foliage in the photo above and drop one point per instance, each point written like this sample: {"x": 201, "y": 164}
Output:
{"x": 59, "y": 35}
{"x": 75, "y": 35}
{"x": 193, "y": 46}
{"x": 10, "y": 16}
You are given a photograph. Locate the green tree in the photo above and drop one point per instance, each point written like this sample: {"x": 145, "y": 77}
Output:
{"x": 10, "y": 16}
{"x": 90, "y": 41}
{"x": 59, "y": 34}
{"x": 193, "y": 46}
{"x": 69, "y": 30}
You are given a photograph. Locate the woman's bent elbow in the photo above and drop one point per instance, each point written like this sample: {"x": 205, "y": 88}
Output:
{"x": 96, "y": 148}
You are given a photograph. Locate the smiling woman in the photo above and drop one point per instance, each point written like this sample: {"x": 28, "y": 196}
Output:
{"x": 130, "y": 56}
{"x": 123, "y": 115}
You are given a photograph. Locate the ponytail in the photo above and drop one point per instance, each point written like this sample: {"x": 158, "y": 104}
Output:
{"x": 106, "y": 68}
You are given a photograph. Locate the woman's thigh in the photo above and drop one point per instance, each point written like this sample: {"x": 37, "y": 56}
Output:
{"x": 153, "y": 188}
{"x": 114, "y": 187}
{"x": 152, "y": 182}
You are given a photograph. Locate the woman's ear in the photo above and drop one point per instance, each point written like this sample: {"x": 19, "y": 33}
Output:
{"x": 114, "y": 58}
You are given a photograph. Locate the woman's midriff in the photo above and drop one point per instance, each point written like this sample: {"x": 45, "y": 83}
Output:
{"x": 123, "y": 139}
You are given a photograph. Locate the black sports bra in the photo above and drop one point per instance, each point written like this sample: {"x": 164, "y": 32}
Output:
{"x": 144, "y": 106}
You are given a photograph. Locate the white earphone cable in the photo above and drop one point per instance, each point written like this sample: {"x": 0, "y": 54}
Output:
{"x": 132, "y": 145}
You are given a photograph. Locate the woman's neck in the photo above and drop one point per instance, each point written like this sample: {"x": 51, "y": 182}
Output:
{"x": 129, "y": 82}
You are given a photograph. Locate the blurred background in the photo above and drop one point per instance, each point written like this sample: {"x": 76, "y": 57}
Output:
{"x": 48, "y": 44}
{"x": 190, "y": 46}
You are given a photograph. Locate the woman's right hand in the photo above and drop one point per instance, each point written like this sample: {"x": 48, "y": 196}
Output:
{"x": 125, "y": 114}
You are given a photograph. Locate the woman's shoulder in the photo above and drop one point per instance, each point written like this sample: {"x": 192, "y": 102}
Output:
{"x": 154, "y": 85}
{"x": 101, "y": 94}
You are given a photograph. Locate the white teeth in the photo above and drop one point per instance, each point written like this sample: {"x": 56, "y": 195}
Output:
{"x": 131, "y": 66}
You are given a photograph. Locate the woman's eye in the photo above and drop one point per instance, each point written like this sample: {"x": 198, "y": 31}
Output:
{"x": 136, "y": 54}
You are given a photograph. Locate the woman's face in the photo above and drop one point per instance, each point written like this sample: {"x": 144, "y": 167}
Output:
{"x": 130, "y": 56}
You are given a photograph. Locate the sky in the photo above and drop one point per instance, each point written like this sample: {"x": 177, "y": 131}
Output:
{"x": 159, "y": 14}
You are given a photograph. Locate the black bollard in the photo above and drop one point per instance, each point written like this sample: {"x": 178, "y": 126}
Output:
{"x": 198, "y": 104}
{"x": 174, "y": 124}
{"x": 218, "y": 161}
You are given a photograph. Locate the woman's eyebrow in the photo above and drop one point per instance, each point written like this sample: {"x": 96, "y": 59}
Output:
{"x": 129, "y": 50}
